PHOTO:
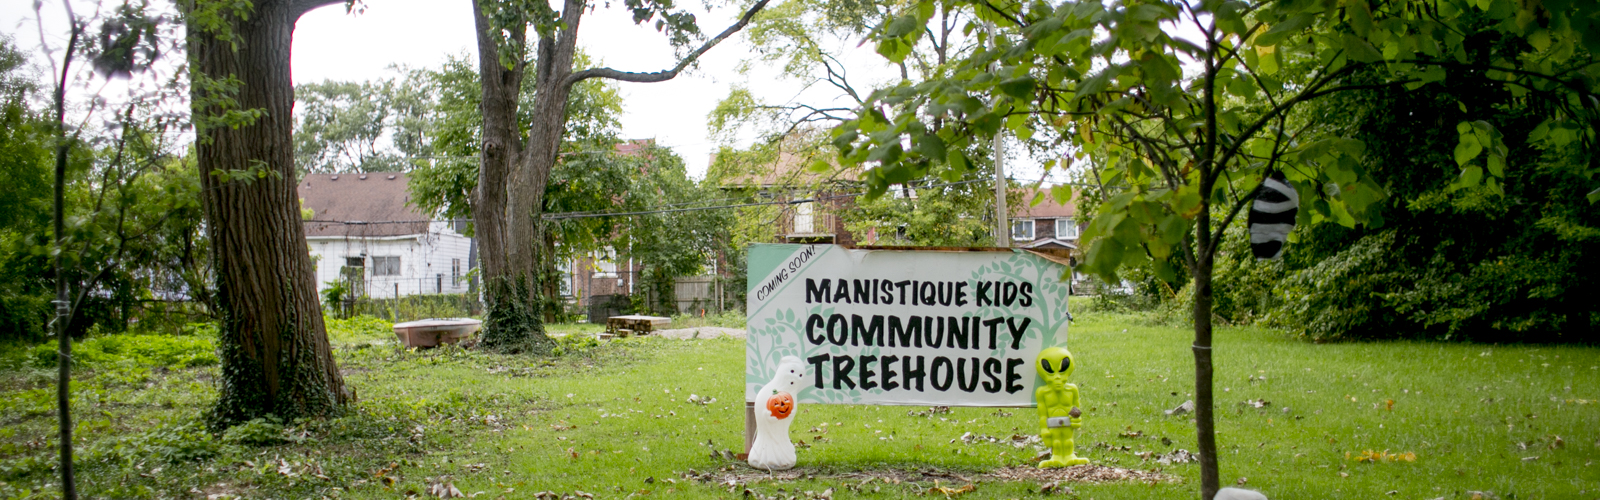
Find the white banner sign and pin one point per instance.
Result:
(904, 327)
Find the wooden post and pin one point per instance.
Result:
(749, 425)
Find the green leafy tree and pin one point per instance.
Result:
(1451, 262)
(118, 186)
(586, 178)
(669, 244)
(24, 201)
(451, 136)
(273, 344)
(801, 39)
(1179, 157)
(518, 157)
(339, 125)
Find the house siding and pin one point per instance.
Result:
(425, 261)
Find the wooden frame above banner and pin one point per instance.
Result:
(1061, 256)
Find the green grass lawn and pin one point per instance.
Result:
(616, 420)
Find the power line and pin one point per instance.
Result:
(569, 215)
(659, 210)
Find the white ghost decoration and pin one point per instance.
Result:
(1239, 494)
(775, 409)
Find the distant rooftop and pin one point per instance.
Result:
(1048, 208)
(359, 201)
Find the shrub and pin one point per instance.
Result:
(187, 442)
(145, 350)
(725, 319)
(416, 307)
(268, 431)
(359, 329)
(574, 344)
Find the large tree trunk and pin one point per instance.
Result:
(512, 177)
(274, 348)
(509, 200)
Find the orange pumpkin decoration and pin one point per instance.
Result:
(781, 405)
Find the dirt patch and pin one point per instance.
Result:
(741, 475)
(1088, 473)
(703, 332)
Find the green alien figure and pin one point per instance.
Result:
(1059, 415)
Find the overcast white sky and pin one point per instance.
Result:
(333, 45)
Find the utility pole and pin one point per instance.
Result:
(1002, 233)
(1002, 225)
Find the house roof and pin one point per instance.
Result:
(1049, 243)
(372, 204)
(792, 167)
(1047, 208)
(635, 147)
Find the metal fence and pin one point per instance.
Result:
(696, 295)
(412, 307)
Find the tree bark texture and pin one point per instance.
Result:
(514, 170)
(1205, 260)
(1205, 418)
(513, 174)
(273, 345)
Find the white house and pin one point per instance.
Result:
(365, 230)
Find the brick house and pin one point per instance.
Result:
(1046, 225)
(809, 203)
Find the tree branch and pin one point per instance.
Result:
(298, 8)
(661, 76)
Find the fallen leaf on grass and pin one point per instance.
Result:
(951, 492)
(1177, 457)
(1056, 487)
(696, 399)
(1370, 456)
(1186, 407)
(444, 489)
(1089, 473)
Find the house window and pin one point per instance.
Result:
(605, 263)
(386, 266)
(804, 221)
(1022, 230)
(354, 275)
(565, 269)
(455, 273)
(1067, 228)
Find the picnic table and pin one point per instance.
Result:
(624, 326)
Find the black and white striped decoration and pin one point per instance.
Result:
(1272, 216)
